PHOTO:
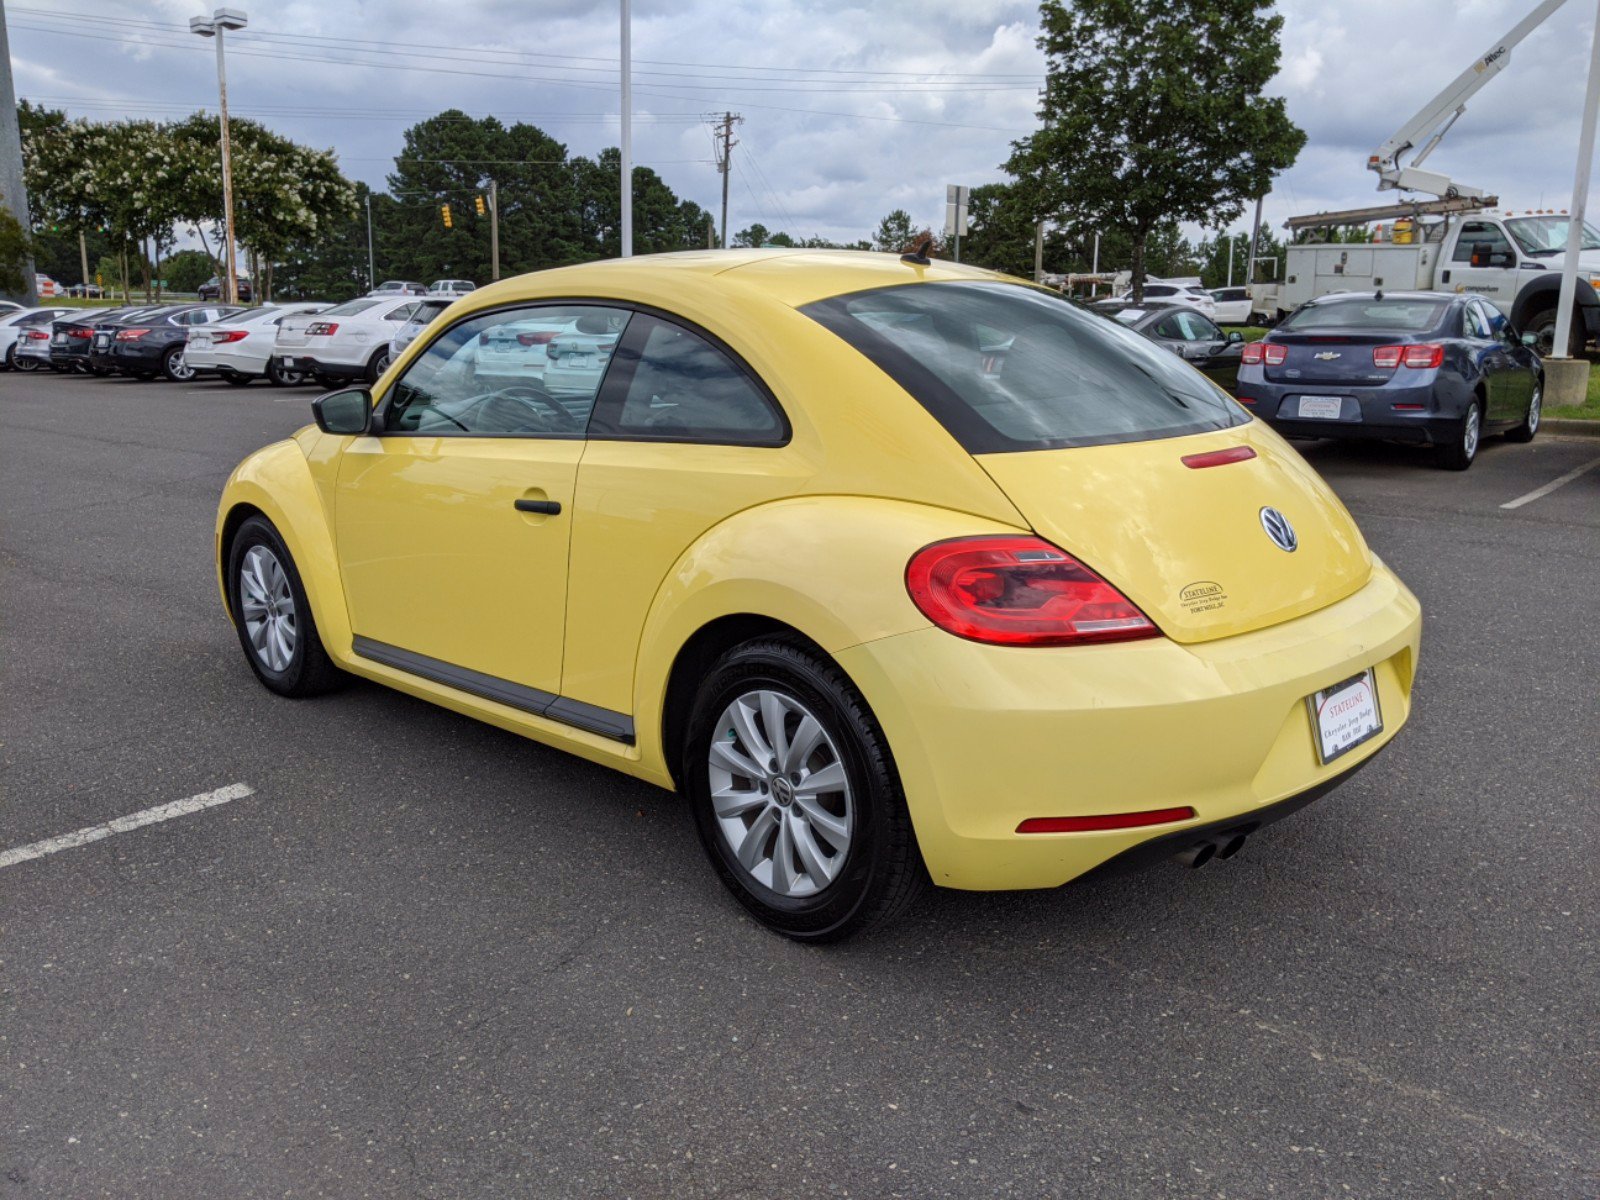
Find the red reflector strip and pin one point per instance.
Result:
(1219, 458)
(1409, 407)
(1157, 816)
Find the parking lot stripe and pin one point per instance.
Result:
(148, 816)
(1552, 485)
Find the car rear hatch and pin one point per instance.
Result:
(1186, 541)
(1330, 359)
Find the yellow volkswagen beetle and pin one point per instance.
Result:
(899, 570)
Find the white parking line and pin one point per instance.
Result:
(148, 816)
(1537, 493)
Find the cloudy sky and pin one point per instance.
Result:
(850, 109)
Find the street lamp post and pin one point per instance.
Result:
(213, 26)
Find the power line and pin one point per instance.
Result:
(479, 51)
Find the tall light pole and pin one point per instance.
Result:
(372, 270)
(213, 26)
(13, 195)
(627, 131)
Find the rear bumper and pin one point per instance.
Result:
(1433, 414)
(132, 356)
(215, 360)
(310, 364)
(986, 737)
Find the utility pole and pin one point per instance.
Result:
(627, 132)
(83, 260)
(711, 233)
(372, 270)
(13, 193)
(726, 143)
(1255, 240)
(494, 227)
(1038, 252)
(1230, 259)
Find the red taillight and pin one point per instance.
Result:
(37, 335)
(230, 335)
(1429, 354)
(1251, 354)
(322, 328)
(1273, 354)
(130, 335)
(79, 333)
(1019, 591)
(1387, 356)
(1219, 458)
(535, 339)
(1133, 820)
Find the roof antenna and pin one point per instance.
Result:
(1378, 295)
(919, 256)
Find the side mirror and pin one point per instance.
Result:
(1235, 337)
(348, 412)
(1530, 339)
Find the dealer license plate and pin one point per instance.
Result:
(1321, 408)
(1345, 715)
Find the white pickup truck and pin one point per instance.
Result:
(1510, 258)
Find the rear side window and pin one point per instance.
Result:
(1398, 316)
(682, 388)
(1006, 367)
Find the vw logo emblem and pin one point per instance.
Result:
(783, 791)
(1279, 530)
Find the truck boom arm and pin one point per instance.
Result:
(1436, 117)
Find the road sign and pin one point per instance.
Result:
(955, 210)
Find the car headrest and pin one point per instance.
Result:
(594, 323)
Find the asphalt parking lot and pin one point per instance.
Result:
(422, 957)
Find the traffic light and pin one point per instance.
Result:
(482, 207)
(444, 211)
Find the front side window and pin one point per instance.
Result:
(463, 385)
(1548, 235)
(683, 388)
(1066, 377)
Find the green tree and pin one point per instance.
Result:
(755, 235)
(894, 232)
(14, 250)
(186, 270)
(1153, 113)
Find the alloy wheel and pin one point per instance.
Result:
(1535, 409)
(1470, 431)
(179, 369)
(267, 603)
(780, 793)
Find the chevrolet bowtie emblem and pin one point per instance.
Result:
(1327, 355)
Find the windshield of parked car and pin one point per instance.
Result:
(1548, 235)
(1006, 367)
(349, 308)
(1397, 315)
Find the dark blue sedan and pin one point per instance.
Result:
(1432, 368)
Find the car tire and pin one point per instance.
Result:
(238, 380)
(141, 376)
(327, 381)
(22, 362)
(1543, 327)
(761, 830)
(100, 372)
(1530, 424)
(173, 366)
(1463, 452)
(381, 358)
(279, 377)
(270, 607)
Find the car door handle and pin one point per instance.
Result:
(548, 507)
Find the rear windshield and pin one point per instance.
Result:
(1006, 367)
(1399, 316)
(350, 308)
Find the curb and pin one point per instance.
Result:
(1571, 427)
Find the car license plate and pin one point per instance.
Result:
(1322, 408)
(58, 338)
(200, 339)
(102, 340)
(286, 362)
(1346, 714)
